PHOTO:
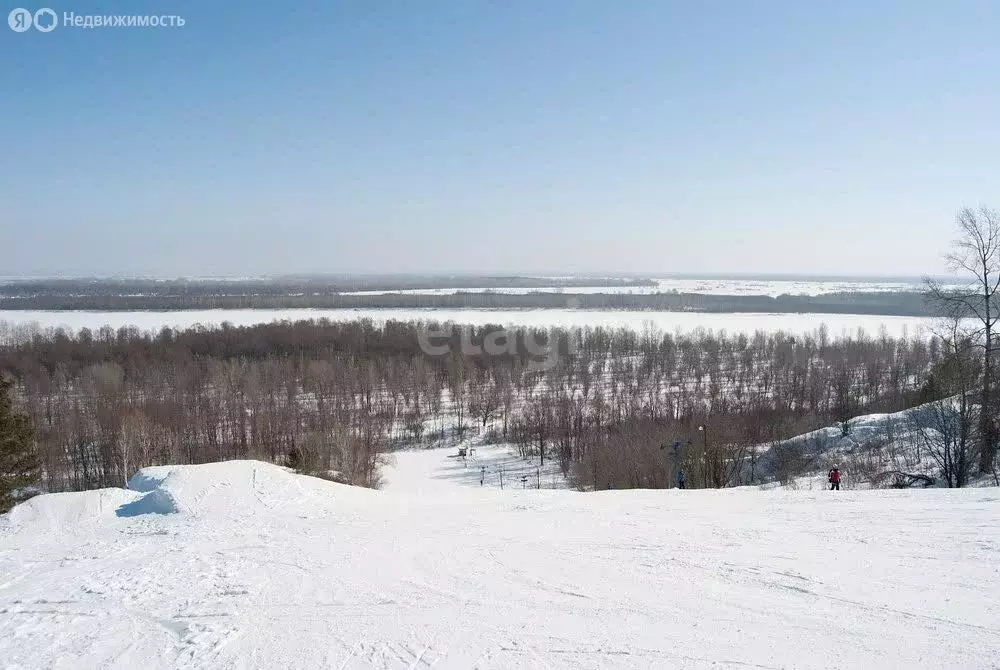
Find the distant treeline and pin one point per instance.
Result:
(880, 303)
(291, 285)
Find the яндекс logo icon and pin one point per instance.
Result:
(19, 20)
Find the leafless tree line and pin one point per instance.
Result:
(333, 397)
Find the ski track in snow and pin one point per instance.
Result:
(265, 569)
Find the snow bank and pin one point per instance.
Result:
(54, 511)
(230, 488)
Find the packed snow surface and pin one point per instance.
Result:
(245, 565)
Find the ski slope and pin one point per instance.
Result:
(442, 473)
(245, 565)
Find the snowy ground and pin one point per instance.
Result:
(440, 472)
(243, 565)
(743, 322)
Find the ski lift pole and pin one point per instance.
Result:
(676, 453)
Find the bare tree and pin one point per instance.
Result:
(976, 254)
(945, 427)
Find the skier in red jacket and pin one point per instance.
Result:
(835, 478)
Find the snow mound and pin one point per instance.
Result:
(232, 489)
(236, 487)
(53, 511)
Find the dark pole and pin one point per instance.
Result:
(704, 454)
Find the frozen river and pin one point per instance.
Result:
(731, 286)
(637, 320)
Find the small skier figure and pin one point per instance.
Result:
(835, 479)
(680, 479)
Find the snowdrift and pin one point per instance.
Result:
(54, 511)
(229, 489)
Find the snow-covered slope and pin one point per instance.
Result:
(442, 472)
(245, 565)
(872, 444)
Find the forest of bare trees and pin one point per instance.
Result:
(335, 397)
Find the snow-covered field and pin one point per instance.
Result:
(244, 565)
(545, 318)
(731, 286)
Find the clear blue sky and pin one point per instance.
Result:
(520, 136)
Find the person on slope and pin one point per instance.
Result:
(834, 479)
(680, 479)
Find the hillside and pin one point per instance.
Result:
(243, 564)
(873, 451)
